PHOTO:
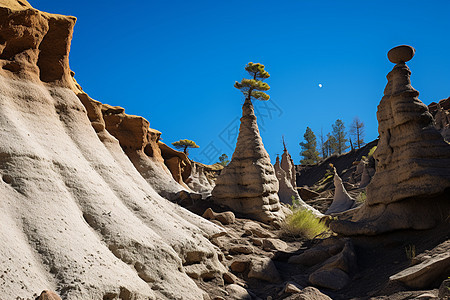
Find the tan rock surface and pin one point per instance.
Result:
(97, 228)
(342, 201)
(413, 165)
(248, 184)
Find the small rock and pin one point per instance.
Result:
(241, 249)
(274, 245)
(237, 292)
(291, 288)
(310, 257)
(426, 296)
(48, 295)
(334, 279)
(264, 269)
(257, 242)
(444, 289)
(309, 293)
(240, 266)
(226, 217)
(229, 278)
(252, 228)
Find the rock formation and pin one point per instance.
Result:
(287, 164)
(442, 122)
(202, 177)
(341, 199)
(77, 217)
(288, 194)
(410, 188)
(248, 184)
(143, 147)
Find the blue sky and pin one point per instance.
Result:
(175, 62)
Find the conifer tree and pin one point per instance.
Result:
(309, 148)
(340, 144)
(184, 145)
(253, 89)
(357, 131)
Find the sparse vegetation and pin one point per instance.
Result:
(361, 198)
(302, 223)
(357, 131)
(410, 251)
(184, 145)
(309, 148)
(223, 160)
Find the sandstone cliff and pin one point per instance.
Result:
(77, 216)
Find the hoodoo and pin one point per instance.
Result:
(410, 188)
(248, 184)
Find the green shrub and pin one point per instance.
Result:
(372, 151)
(361, 198)
(302, 223)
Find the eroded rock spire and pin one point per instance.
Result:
(413, 162)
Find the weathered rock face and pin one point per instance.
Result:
(441, 112)
(413, 164)
(341, 199)
(288, 194)
(141, 144)
(248, 184)
(287, 164)
(201, 179)
(97, 229)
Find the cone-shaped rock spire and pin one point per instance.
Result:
(413, 162)
(248, 184)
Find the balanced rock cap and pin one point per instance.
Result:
(401, 54)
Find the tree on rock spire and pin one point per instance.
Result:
(254, 88)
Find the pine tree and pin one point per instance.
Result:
(340, 144)
(223, 160)
(254, 88)
(357, 131)
(309, 151)
(184, 144)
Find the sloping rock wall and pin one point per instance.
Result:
(77, 217)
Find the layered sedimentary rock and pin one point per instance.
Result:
(141, 144)
(287, 164)
(202, 178)
(442, 120)
(410, 188)
(77, 217)
(248, 184)
(177, 162)
(342, 201)
(289, 194)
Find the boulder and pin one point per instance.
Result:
(225, 218)
(248, 185)
(237, 292)
(334, 279)
(274, 245)
(410, 189)
(423, 275)
(264, 269)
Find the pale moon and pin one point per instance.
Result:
(320, 85)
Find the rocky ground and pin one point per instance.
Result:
(265, 263)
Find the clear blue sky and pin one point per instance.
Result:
(175, 62)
